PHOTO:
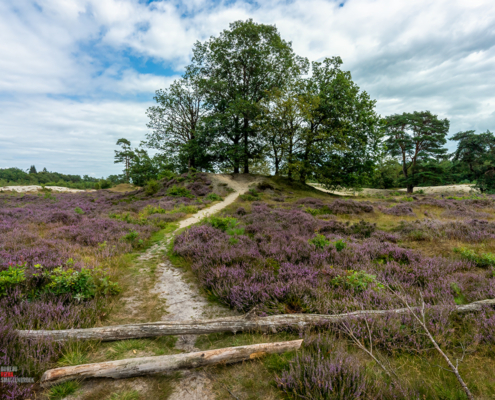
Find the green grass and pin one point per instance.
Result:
(63, 390)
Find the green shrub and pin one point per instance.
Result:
(319, 241)
(131, 236)
(78, 210)
(340, 245)
(151, 187)
(81, 285)
(357, 281)
(10, 278)
(179, 191)
(251, 195)
(222, 223)
(214, 197)
(104, 184)
(481, 260)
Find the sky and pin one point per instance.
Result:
(76, 75)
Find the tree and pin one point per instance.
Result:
(339, 143)
(234, 72)
(280, 122)
(175, 123)
(125, 156)
(477, 152)
(32, 170)
(413, 137)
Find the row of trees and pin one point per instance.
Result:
(17, 176)
(248, 100)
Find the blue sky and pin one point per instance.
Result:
(76, 75)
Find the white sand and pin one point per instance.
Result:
(466, 188)
(35, 188)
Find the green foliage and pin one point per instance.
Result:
(63, 390)
(213, 197)
(16, 176)
(481, 260)
(235, 71)
(104, 184)
(319, 241)
(179, 191)
(80, 284)
(340, 244)
(251, 195)
(126, 395)
(152, 187)
(131, 236)
(416, 138)
(222, 223)
(78, 210)
(10, 278)
(357, 281)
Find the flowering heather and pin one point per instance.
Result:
(400, 210)
(63, 237)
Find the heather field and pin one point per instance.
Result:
(60, 256)
(282, 249)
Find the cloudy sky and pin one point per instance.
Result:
(76, 75)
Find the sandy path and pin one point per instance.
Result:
(35, 188)
(184, 301)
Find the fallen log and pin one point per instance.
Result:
(161, 364)
(230, 324)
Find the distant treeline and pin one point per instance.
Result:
(16, 176)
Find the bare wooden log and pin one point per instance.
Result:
(162, 364)
(231, 324)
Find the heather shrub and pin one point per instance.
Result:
(350, 207)
(400, 210)
(320, 373)
(241, 211)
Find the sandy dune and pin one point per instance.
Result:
(450, 189)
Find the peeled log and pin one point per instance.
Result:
(231, 324)
(152, 365)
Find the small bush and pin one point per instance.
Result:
(481, 260)
(78, 210)
(131, 236)
(214, 197)
(340, 245)
(178, 191)
(222, 223)
(357, 281)
(319, 241)
(251, 195)
(151, 187)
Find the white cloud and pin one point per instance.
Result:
(408, 55)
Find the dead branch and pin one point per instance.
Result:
(162, 364)
(231, 324)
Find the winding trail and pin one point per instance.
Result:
(183, 299)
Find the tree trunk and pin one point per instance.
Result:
(246, 142)
(230, 324)
(152, 365)
(410, 189)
